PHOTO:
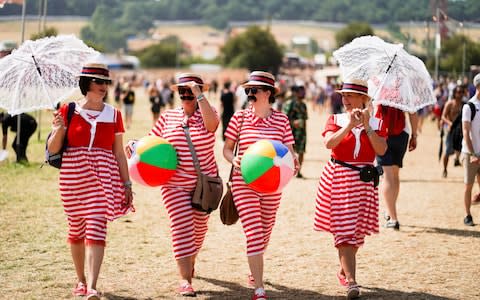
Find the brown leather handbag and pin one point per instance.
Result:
(228, 210)
(209, 190)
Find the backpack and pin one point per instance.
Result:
(456, 131)
(55, 160)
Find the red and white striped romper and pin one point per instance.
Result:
(90, 185)
(188, 226)
(257, 211)
(345, 205)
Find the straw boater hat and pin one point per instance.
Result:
(354, 86)
(257, 78)
(184, 78)
(95, 70)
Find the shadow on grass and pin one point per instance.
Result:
(379, 293)
(448, 231)
(274, 291)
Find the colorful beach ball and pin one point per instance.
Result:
(153, 161)
(267, 166)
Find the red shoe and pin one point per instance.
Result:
(93, 295)
(187, 290)
(342, 279)
(80, 289)
(259, 295)
(476, 199)
(251, 280)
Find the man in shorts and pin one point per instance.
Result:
(398, 140)
(471, 148)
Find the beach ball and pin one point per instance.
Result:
(153, 161)
(267, 166)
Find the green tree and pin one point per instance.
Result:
(49, 31)
(165, 54)
(351, 31)
(254, 49)
(451, 55)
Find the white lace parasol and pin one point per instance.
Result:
(41, 73)
(395, 78)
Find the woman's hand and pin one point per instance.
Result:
(195, 87)
(236, 161)
(355, 118)
(130, 148)
(366, 118)
(128, 196)
(58, 122)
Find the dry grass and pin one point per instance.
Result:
(434, 256)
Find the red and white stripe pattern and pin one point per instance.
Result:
(90, 185)
(346, 206)
(87, 231)
(257, 211)
(188, 226)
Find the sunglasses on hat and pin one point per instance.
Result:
(254, 90)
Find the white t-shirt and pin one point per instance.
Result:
(475, 131)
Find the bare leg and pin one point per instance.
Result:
(467, 198)
(347, 256)
(255, 263)
(78, 255)
(94, 262)
(390, 189)
(185, 266)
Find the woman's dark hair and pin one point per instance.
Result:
(84, 84)
(271, 99)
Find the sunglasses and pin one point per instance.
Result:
(184, 90)
(254, 90)
(101, 81)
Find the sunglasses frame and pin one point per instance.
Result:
(101, 81)
(254, 90)
(182, 90)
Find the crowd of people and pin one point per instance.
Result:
(365, 141)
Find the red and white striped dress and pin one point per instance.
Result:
(346, 206)
(257, 211)
(188, 226)
(90, 183)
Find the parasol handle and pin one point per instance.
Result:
(391, 63)
(36, 65)
(385, 78)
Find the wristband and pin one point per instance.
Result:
(200, 97)
(127, 184)
(369, 131)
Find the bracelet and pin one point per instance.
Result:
(369, 131)
(200, 97)
(127, 184)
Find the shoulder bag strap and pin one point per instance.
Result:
(192, 148)
(70, 111)
(235, 151)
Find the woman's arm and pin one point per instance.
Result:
(55, 142)
(378, 143)
(228, 148)
(210, 118)
(122, 165)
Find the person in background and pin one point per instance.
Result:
(94, 183)
(398, 140)
(257, 211)
(28, 125)
(128, 99)
(188, 226)
(346, 205)
(452, 110)
(471, 149)
(156, 102)
(227, 100)
(296, 110)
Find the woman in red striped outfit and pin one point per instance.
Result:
(188, 226)
(346, 205)
(257, 211)
(94, 182)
